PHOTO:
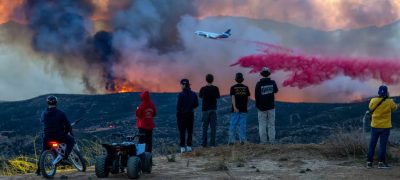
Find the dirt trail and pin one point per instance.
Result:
(252, 162)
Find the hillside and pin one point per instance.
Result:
(296, 122)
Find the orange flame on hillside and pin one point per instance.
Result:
(122, 86)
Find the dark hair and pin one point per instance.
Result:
(209, 78)
(239, 78)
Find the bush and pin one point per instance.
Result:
(347, 144)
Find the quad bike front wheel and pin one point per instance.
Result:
(101, 167)
(134, 167)
(47, 169)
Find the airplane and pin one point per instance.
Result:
(210, 35)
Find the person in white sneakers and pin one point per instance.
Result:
(187, 102)
(265, 104)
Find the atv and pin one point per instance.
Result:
(124, 155)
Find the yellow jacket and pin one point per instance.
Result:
(382, 116)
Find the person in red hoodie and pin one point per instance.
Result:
(145, 114)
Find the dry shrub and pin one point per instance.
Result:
(18, 165)
(347, 144)
(219, 165)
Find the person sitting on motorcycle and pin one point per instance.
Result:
(56, 127)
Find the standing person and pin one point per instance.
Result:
(382, 108)
(209, 94)
(187, 102)
(240, 95)
(265, 104)
(145, 114)
(56, 126)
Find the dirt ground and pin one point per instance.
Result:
(252, 162)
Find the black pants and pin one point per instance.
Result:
(185, 125)
(147, 138)
(209, 118)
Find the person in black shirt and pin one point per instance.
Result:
(209, 94)
(187, 102)
(265, 103)
(240, 95)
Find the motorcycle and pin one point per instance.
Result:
(50, 158)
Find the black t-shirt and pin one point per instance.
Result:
(241, 93)
(209, 94)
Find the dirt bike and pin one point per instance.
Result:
(124, 155)
(49, 159)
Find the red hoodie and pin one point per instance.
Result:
(145, 112)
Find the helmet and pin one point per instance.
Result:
(51, 100)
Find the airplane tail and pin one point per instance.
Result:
(228, 32)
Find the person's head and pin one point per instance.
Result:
(265, 72)
(145, 96)
(239, 77)
(185, 83)
(209, 78)
(51, 101)
(383, 91)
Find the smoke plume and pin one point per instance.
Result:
(306, 70)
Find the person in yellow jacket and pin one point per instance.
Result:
(382, 107)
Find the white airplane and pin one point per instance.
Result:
(210, 35)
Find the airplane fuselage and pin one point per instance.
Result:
(211, 35)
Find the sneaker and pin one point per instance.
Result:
(183, 149)
(369, 165)
(188, 149)
(231, 144)
(383, 165)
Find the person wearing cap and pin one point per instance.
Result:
(265, 103)
(382, 107)
(187, 102)
(56, 126)
(209, 94)
(240, 96)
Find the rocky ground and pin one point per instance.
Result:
(252, 161)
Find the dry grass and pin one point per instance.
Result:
(18, 165)
(347, 144)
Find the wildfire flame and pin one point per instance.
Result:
(122, 86)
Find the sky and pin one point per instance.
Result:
(103, 46)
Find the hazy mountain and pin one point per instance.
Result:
(296, 122)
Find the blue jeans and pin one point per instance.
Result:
(383, 135)
(236, 118)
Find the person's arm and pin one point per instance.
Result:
(67, 124)
(139, 112)
(275, 87)
(179, 103)
(257, 92)
(235, 109)
(201, 93)
(393, 105)
(196, 101)
(217, 95)
(371, 104)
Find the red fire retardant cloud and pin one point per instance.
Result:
(307, 70)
